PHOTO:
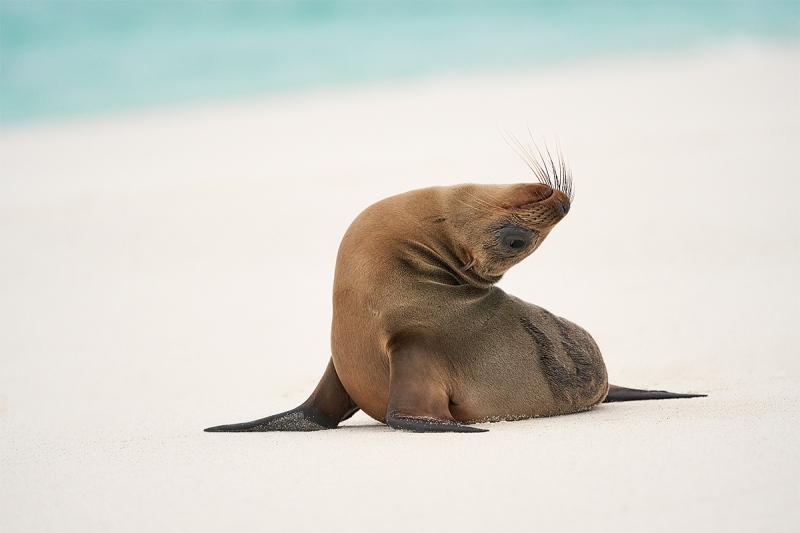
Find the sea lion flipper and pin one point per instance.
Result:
(418, 397)
(424, 425)
(328, 405)
(624, 394)
(298, 419)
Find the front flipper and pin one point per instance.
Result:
(428, 425)
(328, 405)
(418, 390)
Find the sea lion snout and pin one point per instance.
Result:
(557, 204)
(544, 207)
(539, 193)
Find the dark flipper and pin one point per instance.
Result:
(418, 397)
(328, 405)
(421, 425)
(623, 394)
(298, 419)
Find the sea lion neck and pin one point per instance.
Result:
(436, 249)
(437, 258)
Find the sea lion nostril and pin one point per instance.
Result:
(563, 206)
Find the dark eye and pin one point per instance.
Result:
(515, 239)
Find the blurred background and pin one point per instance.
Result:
(70, 58)
(175, 178)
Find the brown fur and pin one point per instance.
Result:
(414, 287)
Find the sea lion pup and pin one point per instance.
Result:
(423, 340)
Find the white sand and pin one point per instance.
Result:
(169, 271)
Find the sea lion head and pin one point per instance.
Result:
(497, 226)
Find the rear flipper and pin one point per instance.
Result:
(298, 419)
(328, 405)
(624, 394)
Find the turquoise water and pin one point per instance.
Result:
(71, 58)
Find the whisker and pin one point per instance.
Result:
(551, 171)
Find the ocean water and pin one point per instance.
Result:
(68, 58)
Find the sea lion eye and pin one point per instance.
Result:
(515, 239)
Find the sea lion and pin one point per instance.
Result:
(423, 340)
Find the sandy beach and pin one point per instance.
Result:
(167, 271)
